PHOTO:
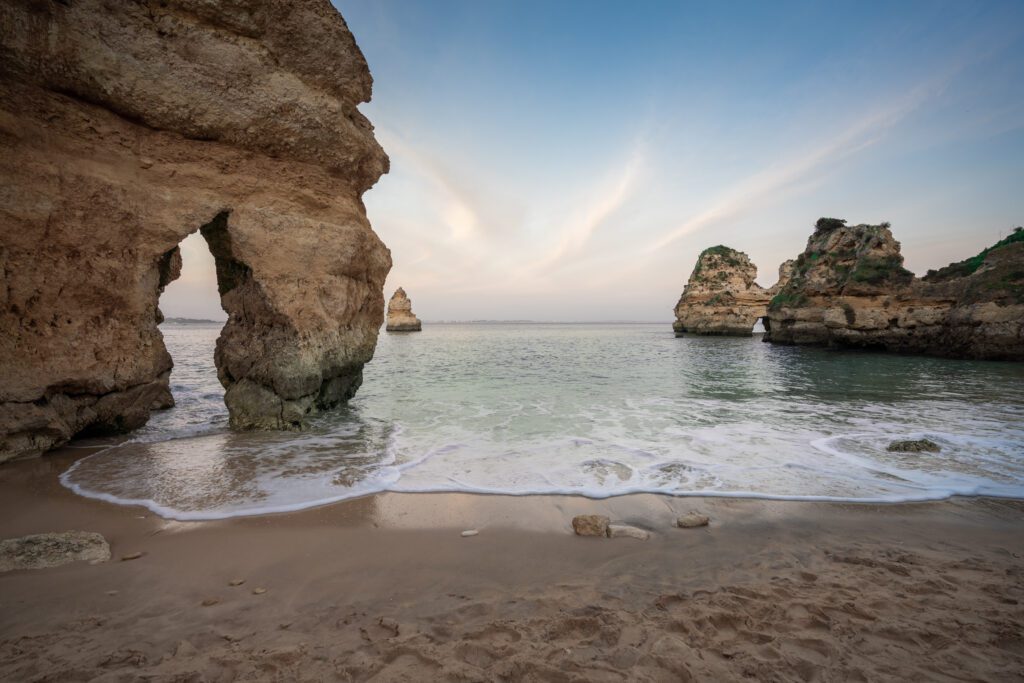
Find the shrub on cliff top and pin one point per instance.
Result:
(720, 250)
(829, 224)
(970, 265)
(727, 254)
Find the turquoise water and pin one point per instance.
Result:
(595, 410)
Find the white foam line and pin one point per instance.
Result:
(924, 492)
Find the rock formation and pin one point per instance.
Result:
(400, 317)
(849, 288)
(721, 296)
(126, 126)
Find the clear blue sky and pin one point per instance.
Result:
(569, 160)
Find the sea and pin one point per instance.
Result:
(593, 410)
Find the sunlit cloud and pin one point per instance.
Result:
(458, 212)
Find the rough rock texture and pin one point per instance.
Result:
(590, 525)
(914, 446)
(721, 296)
(126, 126)
(692, 520)
(40, 551)
(400, 316)
(849, 288)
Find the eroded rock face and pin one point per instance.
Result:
(849, 288)
(400, 316)
(721, 296)
(126, 126)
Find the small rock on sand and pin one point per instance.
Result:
(259, 591)
(626, 531)
(469, 532)
(210, 602)
(590, 525)
(236, 582)
(39, 551)
(131, 556)
(691, 520)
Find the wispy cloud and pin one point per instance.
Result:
(495, 247)
(803, 171)
(458, 211)
(601, 204)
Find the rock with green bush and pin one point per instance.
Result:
(849, 288)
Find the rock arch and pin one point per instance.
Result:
(106, 170)
(721, 297)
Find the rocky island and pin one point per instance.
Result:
(400, 315)
(849, 288)
(128, 126)
(721, 297)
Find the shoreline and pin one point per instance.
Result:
(384, 587)
(72, 455)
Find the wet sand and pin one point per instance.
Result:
(385, 588)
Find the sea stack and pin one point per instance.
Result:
(400, 316)
(128, 126)
(850, 289)
(721, 297)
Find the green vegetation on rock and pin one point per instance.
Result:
(786, 298)
(970, 265)
(876, 270)
(729, 255)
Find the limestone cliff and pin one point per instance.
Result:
(126, 126)
(400, 316)
(849, 288)
(721, 297)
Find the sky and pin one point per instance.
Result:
(568, 161)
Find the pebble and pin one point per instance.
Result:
(691, 520)
(111, 593)
(131, 556)
(469, 532)
(259, 591)
(626, 531)
(236, 582)
(210, 602)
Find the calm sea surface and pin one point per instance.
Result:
(596, 410)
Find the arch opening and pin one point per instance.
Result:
(191, 319)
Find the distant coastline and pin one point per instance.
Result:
(192, 321)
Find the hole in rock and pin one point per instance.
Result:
(193, 319)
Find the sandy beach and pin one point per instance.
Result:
(386, 588)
